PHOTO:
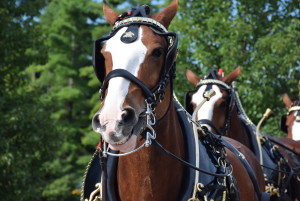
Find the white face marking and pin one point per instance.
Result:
(206, 111)
(124, 56)
(296, 129)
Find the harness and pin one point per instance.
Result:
(102, 168)
(277, 171)
(214, 180)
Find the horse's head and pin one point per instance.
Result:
(134, 63)
(217, 108)
(290, 123)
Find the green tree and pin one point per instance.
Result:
(260, 36)
(68, 80)
(64, 77)
(27, 132)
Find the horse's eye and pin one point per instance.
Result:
(157, 52)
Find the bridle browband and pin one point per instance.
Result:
(295, 107)
(139, 21)
(213, 81)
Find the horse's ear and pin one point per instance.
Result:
(228, 79)
(286, 100)
(192, 77)
(109, 13)
(166, 15)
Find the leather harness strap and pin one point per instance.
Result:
(249, 169)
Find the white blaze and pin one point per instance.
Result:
(296, 129)
(206, 111)
(128, 56)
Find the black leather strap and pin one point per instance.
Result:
(274, 140)
(211, 124)
(103, 160)
(163, 150)
(125, 74)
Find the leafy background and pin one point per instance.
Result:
(49, 93)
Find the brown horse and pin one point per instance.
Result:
(226, 113)
(290, 123)
(136, 64)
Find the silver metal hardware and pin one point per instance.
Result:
(212, 81)
(151, 121)
(131, 20)
(150, 134)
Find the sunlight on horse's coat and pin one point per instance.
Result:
(112, 111)
(206, 111)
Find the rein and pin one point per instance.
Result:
(234, 97)
(168, 153)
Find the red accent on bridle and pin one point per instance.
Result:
(220, 72)
(100, 144)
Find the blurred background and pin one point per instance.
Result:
(49, 93)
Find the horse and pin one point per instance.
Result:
(145, 151)
(225, 115)
(290, 123)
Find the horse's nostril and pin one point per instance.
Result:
(96, 123)
(128, 116)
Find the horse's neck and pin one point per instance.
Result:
(236, 129)
(290, 134)
(149, 174)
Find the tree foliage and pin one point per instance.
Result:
(27, 132)
(260, 36)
